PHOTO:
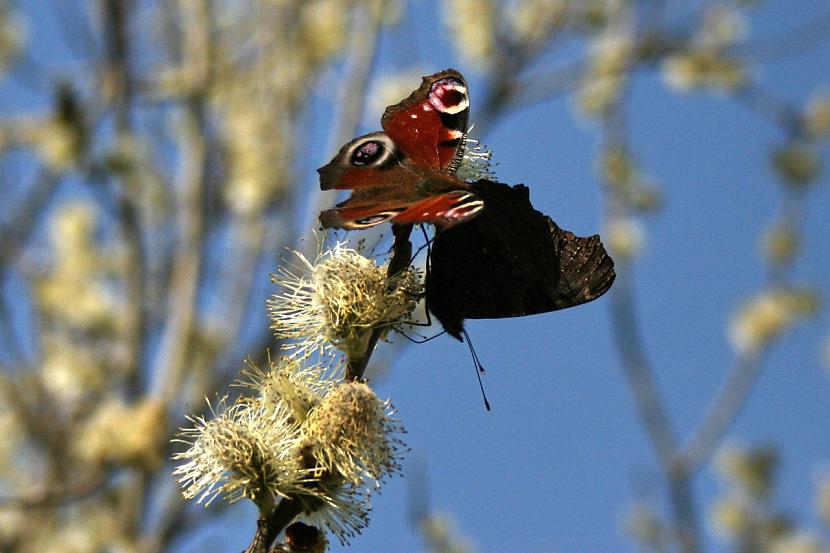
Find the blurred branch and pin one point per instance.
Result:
(363, 39)
(625, 327)
(764, 104)
(794, 42)
(57, 495)
(14, 235)
(638, 372)
(18, 402)
(721, 413)
(364, 35)
(187, 265)
(513, 57)
(117, 77)
(520, 92)
(653, 413)
(118, 81)
(16, 232)
(636, 367)
(351, 102)
(184, 280)
(509, 89)
(683, 508)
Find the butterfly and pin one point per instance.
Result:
(406, 173)
(506, 259)
(511, 261)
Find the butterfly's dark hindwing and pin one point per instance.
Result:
(511, 261)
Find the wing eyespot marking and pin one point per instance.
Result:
(374, 219)
(375, 151)
(449, 95)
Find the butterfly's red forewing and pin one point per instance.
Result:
(405, 173)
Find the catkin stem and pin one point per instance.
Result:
(401, 256)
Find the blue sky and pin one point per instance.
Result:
(556, 463)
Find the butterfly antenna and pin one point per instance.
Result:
(417, 253)
(479, 367)
(427, 243)
(429, 252)
(427, 239)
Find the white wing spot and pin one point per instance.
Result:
(452, 110)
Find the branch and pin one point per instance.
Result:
(641, 378)
(269, 528)
(13, 237)
(638, 372)
(187, 264)
(117, 79)
(809, 35)
(362, 50)
(15, 233)
(57, 495)
(401, 256)
(117, 68)
(764, 104)
(364, 37)
(720, 413)
(184, 281)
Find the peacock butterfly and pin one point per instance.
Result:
(507, 260)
